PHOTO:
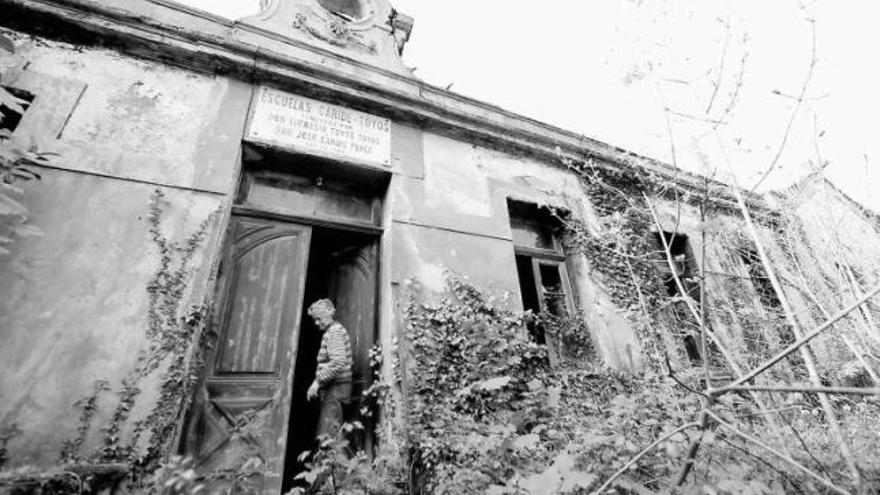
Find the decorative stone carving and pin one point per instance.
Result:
(401, 27)
(325, 26)
(368, 29)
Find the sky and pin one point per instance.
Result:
(713, 86)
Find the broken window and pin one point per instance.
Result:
(685, 266)
(13, 105)
(758, 275)
(540, 263)
(766, 293)
(683, 262)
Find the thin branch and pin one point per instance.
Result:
(717, 341)
(717, 83)
(849, 343)
(780, 455)
(703, 423)
(782, 473)
(641, 454)
(795, 325)
(795, 389)
(739, 83)
(802, 442)
(696, 118)
(794, 112)
(806, 338)
(677, 380)
(703, 294)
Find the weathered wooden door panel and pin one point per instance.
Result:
(237, 428)
(353, 290)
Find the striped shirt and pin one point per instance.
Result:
(334, 357)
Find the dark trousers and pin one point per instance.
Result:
(333, 397)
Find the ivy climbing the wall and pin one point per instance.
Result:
(172, 330)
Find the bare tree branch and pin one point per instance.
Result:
(638, 456)
(717, 83)
(780, 455)
(794, 112)
(795, 326)
(795, 389)
(806, 338)
(703, 423)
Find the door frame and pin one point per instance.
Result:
(221, 290)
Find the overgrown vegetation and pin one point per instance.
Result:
(488, 415)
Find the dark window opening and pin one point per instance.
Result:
(529, 294)
(692, 348)
(330, 257)
(685, 269)
(768, 297)
(540, 263)
(10, 117)
(554, 296)
(758, 275)
(684, 263)
(534, 227)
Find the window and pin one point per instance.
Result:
(767, 295)
(759, 278)
(540, 263)
(13, 104)
(686, 270)
(684, 263)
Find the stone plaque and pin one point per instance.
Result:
(315, 127)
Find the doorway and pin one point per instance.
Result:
(342, 267)
(301, 229)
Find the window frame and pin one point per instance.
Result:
(539, 256)
(684, 269)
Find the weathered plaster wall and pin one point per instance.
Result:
(73, 303)
(451, 214)
(836, 230)
(108, 114)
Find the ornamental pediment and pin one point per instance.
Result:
(368, 30)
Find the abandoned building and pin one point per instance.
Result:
(216, 177)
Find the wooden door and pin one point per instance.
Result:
(353, 290)
(237, 426)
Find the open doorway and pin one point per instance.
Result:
(301, 229)
(342, 267)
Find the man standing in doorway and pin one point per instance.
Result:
(333, 374)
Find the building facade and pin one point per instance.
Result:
(215, 177)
